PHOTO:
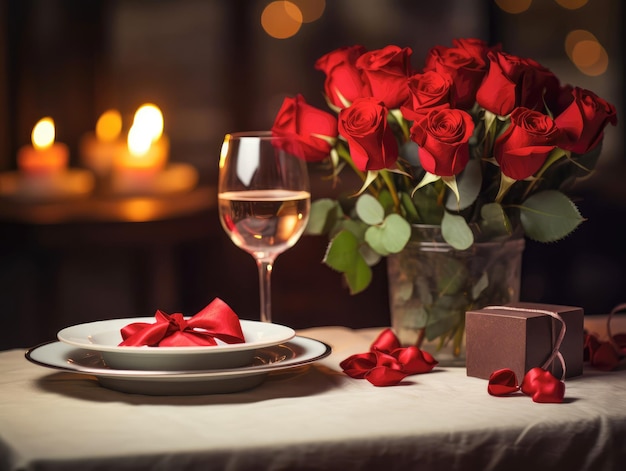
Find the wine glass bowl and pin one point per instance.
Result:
(263, 200)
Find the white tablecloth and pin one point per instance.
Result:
(312, 418)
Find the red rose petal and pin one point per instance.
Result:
(542, 386)
(502, 382)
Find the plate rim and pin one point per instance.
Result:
(325, 351)
(288, 334)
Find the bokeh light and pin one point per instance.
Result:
(311, 9)
(572, 4)
(281, 19)
(586, 52)
(513, 6)
(43, 133)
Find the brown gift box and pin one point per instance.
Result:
(521, 340)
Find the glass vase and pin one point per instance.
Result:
(432, 285)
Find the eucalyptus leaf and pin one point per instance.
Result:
(456, 231)
(548, 216)
(357, 228)
(370, 256)
(389, 237)
(468, 182)
(369, 209)
(359, 276)
(386, 200)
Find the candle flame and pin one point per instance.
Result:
(150, 119)
(139, 140)
(43, 133)
(109, 126)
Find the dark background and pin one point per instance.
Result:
(212, 70)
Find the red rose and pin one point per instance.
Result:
(427, 91)
(513, 82)
(478, 48)
(527, 142)
(467, 67)
(298, 120)
(342, 75)
(443, 140)
(583, 121)
(373, 145)
(387, 71)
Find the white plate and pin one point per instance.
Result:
(299, 351)
(105, 336)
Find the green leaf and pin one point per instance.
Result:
(343, 256)
(385, 199)
(323, 214)
(342, 252)
(369, 210)
(468, 184)
(408, 207)
(549, 215)
(370, 256)
(391, 236)
(494, 221)
(480, 286)
(357, 228)
(456, 231)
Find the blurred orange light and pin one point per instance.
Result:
(572, 4)
(586, 52)
(513, 6)
(311, 9)
(281, 19)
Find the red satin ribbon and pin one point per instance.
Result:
(606, 355)
(539, 384)
(216, 321)
(387, 363)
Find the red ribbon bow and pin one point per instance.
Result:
(216, 321)
(387, 363)
(539, 384)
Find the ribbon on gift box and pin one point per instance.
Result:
(538, 382)
(216, 321)
(606, 355)
(388, 363)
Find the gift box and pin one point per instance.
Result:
(518, 337)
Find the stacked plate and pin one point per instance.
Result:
(92, 348)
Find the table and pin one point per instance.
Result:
(311, 418)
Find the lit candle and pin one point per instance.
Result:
(98, 150)
(147, 153)
(44, 157)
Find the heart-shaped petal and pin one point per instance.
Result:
(384, 376)
(542, 386)
(386, 341)
(357, 366)
(502, 382)
(605, 357)
(414, 360)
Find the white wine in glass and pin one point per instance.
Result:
(264, 200)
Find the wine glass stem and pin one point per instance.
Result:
(265, 288)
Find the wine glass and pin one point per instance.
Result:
(263, 199)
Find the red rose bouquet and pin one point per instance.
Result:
(479, 142)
